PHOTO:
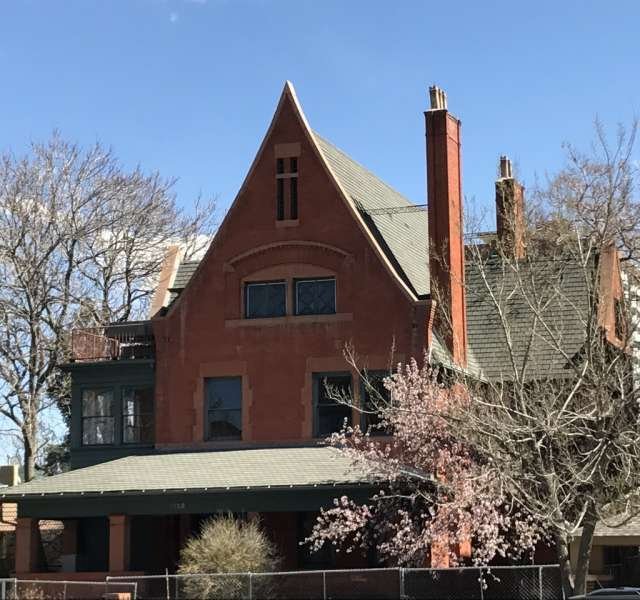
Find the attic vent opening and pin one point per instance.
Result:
(287, 182)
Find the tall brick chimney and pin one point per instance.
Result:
(510, 211)
(446, 244)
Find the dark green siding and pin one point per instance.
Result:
(115, 374)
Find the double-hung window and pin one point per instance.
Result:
(265, 299)
(223, 408)
(330, 412)
(315, 296)
(137, 415)
(98, 417)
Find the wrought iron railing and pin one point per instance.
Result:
(126, 341)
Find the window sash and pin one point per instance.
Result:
(137, 415)
(330, 415)
(223, 408)
(97, 431)
(310, 302)
(274, 296)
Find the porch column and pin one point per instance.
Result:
(27, 537)
(119, 538)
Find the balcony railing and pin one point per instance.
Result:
(126, 341)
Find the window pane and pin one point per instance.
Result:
(97, 403)
(333, 385)
(330, 414)
(331, 417)
(98, 430)
(294, 165)
(223, 406)
(137, 415)
(280, 165)
(315, 296)
(137, 429)
(265, 300)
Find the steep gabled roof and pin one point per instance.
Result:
(398, 225)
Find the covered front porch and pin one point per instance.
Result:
(133, 515)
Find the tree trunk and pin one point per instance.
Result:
(584, 552)
(29, 462)
(566, 575)
(29, 443)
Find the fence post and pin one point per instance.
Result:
(64, 591)
(540, 581)
(481, 582)
(324, 585)
(3, 589)
(166, 576)
(250, 586)
(402, 582)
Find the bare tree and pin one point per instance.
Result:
(549, 395)
(555, 409)
(80, 240)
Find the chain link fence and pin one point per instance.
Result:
(40, 589)
(467, 583)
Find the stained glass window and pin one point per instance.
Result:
(264, 300)
(315, 296)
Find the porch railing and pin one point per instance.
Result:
(127, 341)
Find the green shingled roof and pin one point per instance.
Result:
(213, 470)
(399, 225)
(565, 308)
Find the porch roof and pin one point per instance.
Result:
(208, 471)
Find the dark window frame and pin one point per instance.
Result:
(208, 410)
(124, 414)
(113, 417)
(299, 280)
(247, 287)
(319, 383)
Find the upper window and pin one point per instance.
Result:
(223, 407)
(137, 415)
(315, 296)
(374, 397)
(98, 417)
(286, 169)
(330, 413)
(268, 299)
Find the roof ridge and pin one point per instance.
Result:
(361, 166)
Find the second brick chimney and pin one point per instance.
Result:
(510, 211)
(446, 244)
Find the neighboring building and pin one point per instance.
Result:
(218, 403)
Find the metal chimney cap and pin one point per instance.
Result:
(438, 98)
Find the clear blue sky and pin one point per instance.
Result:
(188, 86)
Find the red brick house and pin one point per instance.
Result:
(217, 403)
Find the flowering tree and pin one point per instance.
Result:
(435, 494)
